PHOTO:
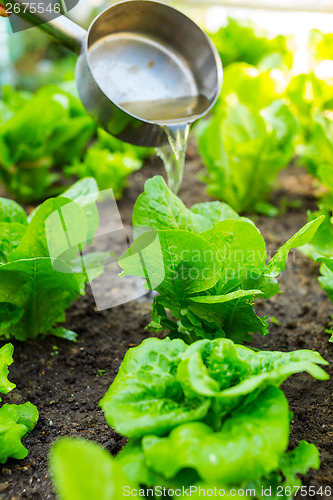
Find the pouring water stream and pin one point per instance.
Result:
(154, 83)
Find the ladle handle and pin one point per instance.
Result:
(65, 31)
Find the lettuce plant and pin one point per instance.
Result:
(110, 162)
(254, 87)
(36, 286)
(164, 383)
(317, 152)
(244, 150)
(309, 96)
(209, 415)
(15, 420)
(239, 41)
(48, 130)
(321, 45)
(207, 268)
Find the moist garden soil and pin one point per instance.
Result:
(66, 380)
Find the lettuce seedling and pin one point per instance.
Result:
(48, 130)
(244, 150)
(207, 273)
(15, 420)
(36, 286)
(164, 383)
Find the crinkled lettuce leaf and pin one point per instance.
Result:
(146, 396)
(248, 445)
(229, 373)
(6, 359)
(15, 422)
(164, 383)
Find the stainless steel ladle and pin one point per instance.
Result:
(142, 64)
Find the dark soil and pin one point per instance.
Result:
(65, 382)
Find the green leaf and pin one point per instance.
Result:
(83, 192)
(49, 129)
(11, 236)
(10, 211)
(34, 284)
(298, 461)
(163, 383)
(15, 422)
(241, 41)
(228, 372)
(159, 208)
(241, 251)
(132, 462)
(209, 281)
(326, 278)
(322, 242)
(6, 359)
(39, 263)
(10, 314)
(63, 333)
(221, 299)
(249, 444)
(37, 243)
(82, 470)
(110, 170)
(175, 263)
(145, 396)
(278, 263)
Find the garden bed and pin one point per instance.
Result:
(66, 380)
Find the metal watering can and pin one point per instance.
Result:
(142, 65)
